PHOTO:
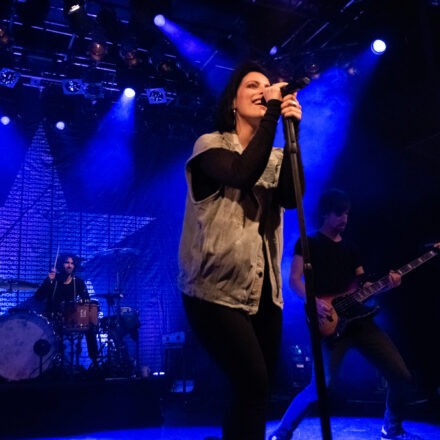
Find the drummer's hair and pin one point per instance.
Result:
(62, 259)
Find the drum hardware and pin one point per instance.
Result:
(114, 356)
(80, 315)
(41, 349)
(11, 285)
(28, 345)
(120, 321)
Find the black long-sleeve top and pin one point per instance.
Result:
(218, 166)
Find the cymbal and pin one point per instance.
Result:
(109, 295)
(117, 251)
(15, 284)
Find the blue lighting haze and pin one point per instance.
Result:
(197, 53)
(273, 51)
(108, 160)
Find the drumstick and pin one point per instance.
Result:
(56, 258)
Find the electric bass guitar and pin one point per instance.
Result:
(349, 306)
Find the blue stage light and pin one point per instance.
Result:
(159, 20)
(72, 86)
(5, 120)
(8, 77)
(129, 92)
(274, 50)
(378, 47)
(60, 125)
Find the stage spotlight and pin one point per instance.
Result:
(97, 50)
(312, 68)
(5, 120)
(159, 20)
(273, 51)
(9, 78)
(378, 47)
(60, 125)
(77, 17)
(156, 96)
(4, 36)
(128, 52)
(129, 92)
(73, 6)
(72, 86)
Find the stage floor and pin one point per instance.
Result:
(343, 428)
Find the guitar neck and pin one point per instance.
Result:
(367, 292)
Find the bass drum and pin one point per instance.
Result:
(27, 345)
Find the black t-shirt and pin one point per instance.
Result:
(334, 263)
(57, 292)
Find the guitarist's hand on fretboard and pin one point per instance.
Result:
(323, 308)
(394, 279)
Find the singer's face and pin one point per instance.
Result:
(247, 101)
(69, 266)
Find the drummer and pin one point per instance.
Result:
(61, 286)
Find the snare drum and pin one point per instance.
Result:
(27, 345)
(80, 315)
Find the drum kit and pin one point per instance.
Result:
(32, 343)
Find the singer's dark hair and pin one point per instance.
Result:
(225, 120)
(63, 258)
(333, 200)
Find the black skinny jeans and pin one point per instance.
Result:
(365, 336)
(246, 348)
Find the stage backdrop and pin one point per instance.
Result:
(131, 254)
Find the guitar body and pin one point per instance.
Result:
(343, 312)
(350, 305)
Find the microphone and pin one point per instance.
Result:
(292, 87)
(295, 85)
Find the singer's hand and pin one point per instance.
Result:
(290, 107)
(274, 91)
(52, 274)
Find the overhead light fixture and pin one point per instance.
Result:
(129, 92)
(5, 120)
(9, 78)
(378, 47)
(77, 17)
(60, 125)
(156, 96)
(4, 35)
(73, 6)
(93, 90)
(128, 53)
(159, 20)
(273, 51)
(312, 68)
(72, 86)
(97, 47)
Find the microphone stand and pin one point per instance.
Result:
(310, 304)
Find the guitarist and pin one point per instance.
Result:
(336, 267)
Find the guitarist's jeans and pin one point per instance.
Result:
(377, 347)
(246, 348)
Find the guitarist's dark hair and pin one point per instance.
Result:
(333, 200)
